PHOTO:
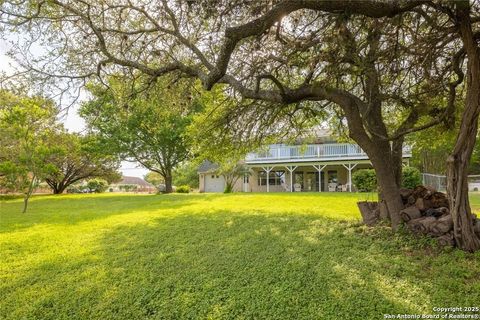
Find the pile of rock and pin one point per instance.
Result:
(426, 213)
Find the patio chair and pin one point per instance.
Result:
(332, 187)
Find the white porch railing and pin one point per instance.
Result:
(311, 152)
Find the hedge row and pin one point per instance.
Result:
(365, 180)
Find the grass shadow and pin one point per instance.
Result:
(233, 265)
(45, 210)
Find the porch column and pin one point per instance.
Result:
(267, 169)
(291, 169)
(319, 168)
(350, 167)
(245, 175)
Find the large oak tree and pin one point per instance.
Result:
(365, 57)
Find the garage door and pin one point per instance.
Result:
(214, 183)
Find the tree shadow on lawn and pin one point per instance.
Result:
(78, 209)
(245, 266)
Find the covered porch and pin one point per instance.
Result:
(303, 177)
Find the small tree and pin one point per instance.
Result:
(26, 124)
(231, 171)
(79, 158)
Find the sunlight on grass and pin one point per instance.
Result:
(218, 256)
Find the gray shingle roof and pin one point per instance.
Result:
(134, 180)
(207, 166)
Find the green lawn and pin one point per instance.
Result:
(241, 256)
(475, 202)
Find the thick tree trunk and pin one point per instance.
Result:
(168, 183)
(389, 190)
(387, 167)
(59, 189)
(458, 161)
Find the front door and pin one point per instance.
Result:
(246, 185)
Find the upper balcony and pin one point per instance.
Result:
(312, 153)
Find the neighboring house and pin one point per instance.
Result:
(474, 185)
(322, 166)
(132, 184)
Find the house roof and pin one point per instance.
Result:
(207, 166)
(135, 180)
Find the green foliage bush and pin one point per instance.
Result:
(128, 187)
(183, 189)
(365, 180)
(186, 174)
(228, 188)
(75, 189)
(4, 197)
(411, 177)
(97, 185)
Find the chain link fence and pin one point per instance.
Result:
(439, 182)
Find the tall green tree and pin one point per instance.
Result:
(26, 124)
(186, 174)
(147, 127)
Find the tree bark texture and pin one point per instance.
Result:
(458, 161)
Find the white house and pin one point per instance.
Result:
(325, 165)
(134, 184)
(474, 185)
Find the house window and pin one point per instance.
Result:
(332, 177)
(213, 176)
(298, 178)
(275, 178)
